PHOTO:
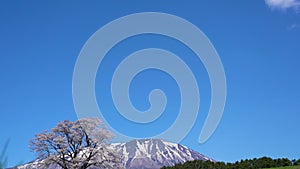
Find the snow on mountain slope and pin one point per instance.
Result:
(146, 154)
(154, 153)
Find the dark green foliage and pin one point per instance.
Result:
(256, 163)
(296, 162)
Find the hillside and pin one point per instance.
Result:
(255, 163)
(147, 154)
(155, 153)
(287, 167)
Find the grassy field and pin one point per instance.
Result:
(289, 167)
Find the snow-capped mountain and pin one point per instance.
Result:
(145, 154)
(154, 153)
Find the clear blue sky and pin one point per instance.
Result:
(259, 46)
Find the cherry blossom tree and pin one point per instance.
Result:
(76, 145)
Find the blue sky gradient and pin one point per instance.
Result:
(258, 45)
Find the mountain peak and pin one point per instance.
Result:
(155, 153)
(146, 154)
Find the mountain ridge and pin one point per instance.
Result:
(155, 153)
(148, 154)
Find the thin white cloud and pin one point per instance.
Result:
(284, 4)
(294, 26)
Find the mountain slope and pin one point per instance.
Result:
(154, 153)
(147, 154)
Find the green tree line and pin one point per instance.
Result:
(255, 163)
